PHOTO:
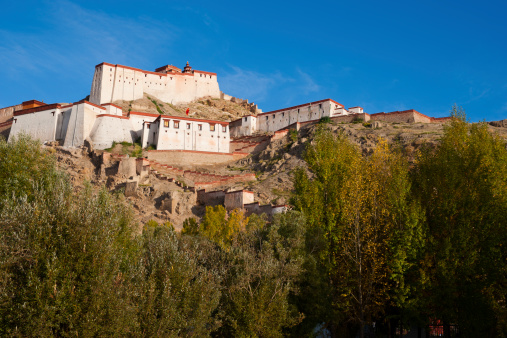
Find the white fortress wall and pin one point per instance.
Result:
(282, 118)
(40, 123)
(113, 109)
(178, 133)
(63, 122)
(110, 128)
(116, 82)
(81, 122)
(137, 119)
(145, 136)
(149, 136)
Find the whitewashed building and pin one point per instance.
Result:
(168, 83)
(72, 124)
(183, 133)
(282, 118)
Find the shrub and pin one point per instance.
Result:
(325, 119)
(293, 135)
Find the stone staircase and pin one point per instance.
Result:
(195, 180)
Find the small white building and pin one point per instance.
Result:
(183, 133)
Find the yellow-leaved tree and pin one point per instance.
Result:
(372, 229)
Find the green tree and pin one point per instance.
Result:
(221, 228)
(264, 266)
(462, 185)
(371, 228)
(180, 295)
(23, 165)
(67, 262)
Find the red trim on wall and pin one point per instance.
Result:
(144, 71)
(203, 72)
(5, 124)
(143, 114)
(115, 116)
(248, 191)
(111, 104)
(299, 106)
(37, 109)
(167, 67)
(92, 104)
(168, 117)
(33, 102)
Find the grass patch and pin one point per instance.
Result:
(293, 135)
(279, 192)
(160, 111)
(238, 168)
(174, 107)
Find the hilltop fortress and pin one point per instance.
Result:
(173, 143)
(168, 83)
(102, 122)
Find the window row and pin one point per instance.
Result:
(176, 125)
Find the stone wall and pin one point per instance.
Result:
(5, 129)
(269, 210)
(406, 116)
(211, 198)
(244, 102)
(236, 199)
(351, 118)
(193, 158)
(7, 112)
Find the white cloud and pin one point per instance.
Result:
(73, 38)
(306, 84)
(249, 84)
(258, 87)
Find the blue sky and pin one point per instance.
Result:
(380, 55)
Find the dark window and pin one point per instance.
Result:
(245, 119)
(199, 127)
(224, 129)
(212, 127)
(188, 125)
(176, 124)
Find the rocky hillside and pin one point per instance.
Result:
(273, 166)
(205, 108)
